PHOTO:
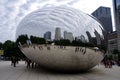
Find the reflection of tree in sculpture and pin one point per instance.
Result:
(22, 39)
(35, 40)
(62, 52)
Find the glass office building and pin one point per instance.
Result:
(116, 5)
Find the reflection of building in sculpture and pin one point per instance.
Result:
(97, 38)
(103, 14)
(68, 35)
(61, 54)
(47, 35)
(57, 33)
(28, 42)
(82, 37)
(89, 36)
(116, 5)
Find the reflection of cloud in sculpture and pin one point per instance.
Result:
(66, 18)
(52, 22)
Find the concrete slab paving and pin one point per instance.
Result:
(20, 72)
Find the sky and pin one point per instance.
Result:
(13, 11)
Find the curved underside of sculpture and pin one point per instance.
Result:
(61, 38)
(66, 58)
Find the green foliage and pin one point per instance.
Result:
(102, 48)
(77, 43)
(89, 44)
(80, 43)
(22, 39)
(11, 49)
(37, 40)
(15, 51)
(64, 42)
(9, 45)
(119, 56)
(115, 51)
(110, 57)
(1, 45)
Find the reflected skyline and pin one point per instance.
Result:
(46, 23)
(70, 32)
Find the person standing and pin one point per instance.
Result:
(28, 63)
(13, 61)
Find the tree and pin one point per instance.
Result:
(7, 47)
(22, 39)
(78, 43)
(1, 45)
(37, 40)
(115, 51)
(63, 42)
(11, 49)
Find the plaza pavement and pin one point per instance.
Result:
(20, 72)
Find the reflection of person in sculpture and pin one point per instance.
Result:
(48, 47)
(76, 49)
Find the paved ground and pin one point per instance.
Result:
(7, 72)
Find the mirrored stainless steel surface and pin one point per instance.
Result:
(61, 38)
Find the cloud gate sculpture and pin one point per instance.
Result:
(61, 38)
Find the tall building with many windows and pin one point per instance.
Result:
(47, 35)
(57, 33)
(68, 35)
(98, 39)
(116, 5)
(103, 14)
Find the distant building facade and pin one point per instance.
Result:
(116, 5)
(103, 14)
(112, 42)
(68, 35)
(98, 39)
(47, 36)
(57, 33)
(89, 37)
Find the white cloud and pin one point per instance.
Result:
(89, 6)
(12, 11)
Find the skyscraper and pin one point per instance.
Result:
(103, 14)
(57, 33)
(116, 5)
(65, 34)
(98, 39)
(68, 35)
(47, 35)
(89, 36)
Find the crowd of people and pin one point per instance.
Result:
(48, 47)
(28, 62)
(108, 63)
